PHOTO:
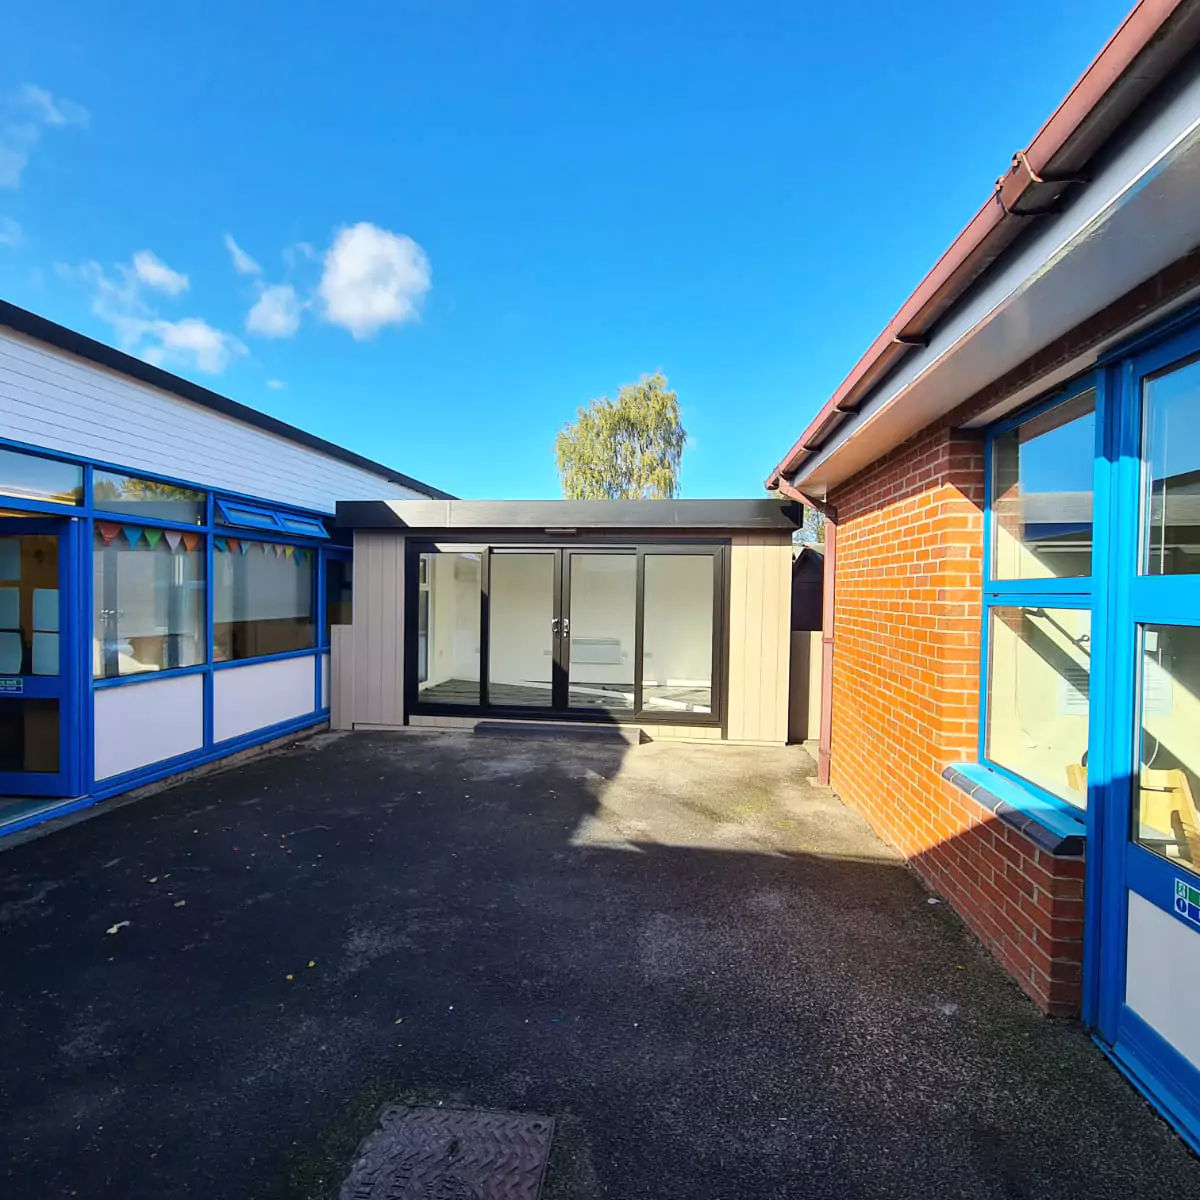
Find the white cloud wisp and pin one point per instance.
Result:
(372, 278)
(24, 116)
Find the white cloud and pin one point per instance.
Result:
(372, 278)
(297, 253)
(50, 111)
(155, 273)
(10, 232)
(24, 116)
(243, 264)
(190, 343)
(119, 299)
(276, 385)
(276, 313)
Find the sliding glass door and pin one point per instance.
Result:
(600, 633)
(523, 592)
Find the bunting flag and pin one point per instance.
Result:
(245, 546)
(174, 537)
(107, 531)
(220, 544)
(192, 540)
(153, 537)
(233, 544)
(288, 551)
(133, 533)
(301, 555)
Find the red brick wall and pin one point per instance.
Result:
(905, 705)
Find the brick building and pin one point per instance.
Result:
(1011, 477)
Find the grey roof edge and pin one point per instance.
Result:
(413, 516)
(22, 321)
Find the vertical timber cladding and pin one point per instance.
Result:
(759, 635)
(378, 628)
(760, 588)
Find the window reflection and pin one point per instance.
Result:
(1171, 453)
(450, 649)
(1039, 668)
(1169, 708)
(677, 641)
(1042, 494)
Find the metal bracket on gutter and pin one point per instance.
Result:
(1021, 164)
(919, 340)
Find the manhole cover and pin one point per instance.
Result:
(451, 1154)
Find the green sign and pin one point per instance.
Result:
(1187, 901)
(12, 687)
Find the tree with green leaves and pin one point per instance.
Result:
(624, 449)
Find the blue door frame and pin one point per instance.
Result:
(1118, 866)
(67, 686)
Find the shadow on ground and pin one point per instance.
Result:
(707, 970)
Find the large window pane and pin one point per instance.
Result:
(450, 632)
(28, 736)
(1042, 494)
(27, 477)
(262, 599)
(603, 617)
(147, 598)
(339, 594)
(147, 498)
(1039, 667)
(1169, 710)
(521, 646)
(677, 637)
(29, 604)
(1171, 471)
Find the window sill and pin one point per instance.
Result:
(1056, 829)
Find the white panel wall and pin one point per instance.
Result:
(142, 723)
(1162, 975)
(52, 399)
(325, 669)
(261, 694)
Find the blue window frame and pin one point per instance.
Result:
(254, 516)
(1039, 565)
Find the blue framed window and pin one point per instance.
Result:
(253, 516)
(1038, 599)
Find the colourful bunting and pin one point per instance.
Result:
(288, 551)
(174, 537)
(107, 531)
(192, 540)
(245, 545)
(220, 544)
(232, 543)
(133, 533)
(153, 537)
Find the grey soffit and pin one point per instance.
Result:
(567, 516)
(419, 1153)
(42, 330)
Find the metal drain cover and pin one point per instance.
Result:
(451, 1154)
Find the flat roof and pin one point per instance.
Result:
(31, 325)
(548, 516)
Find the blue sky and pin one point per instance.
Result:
(460, 219)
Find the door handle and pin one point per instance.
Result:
(566, 626)
(554, 626)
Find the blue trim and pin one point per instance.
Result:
(262, 519)
(1181, 321)
(1160, 1073)
(233, 663)
(1051, 824)
(99, 685)
(51, 809)
(64, 510)
(154, 772)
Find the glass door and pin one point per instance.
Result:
(600, 631)
(1150, 946)
(37, 669)
(524, 625)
